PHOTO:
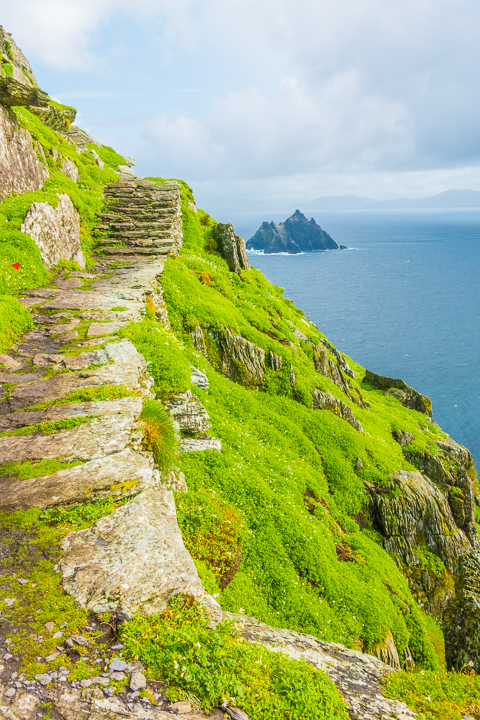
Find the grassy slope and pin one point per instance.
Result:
(274, 447)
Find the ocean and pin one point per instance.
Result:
(403, 301)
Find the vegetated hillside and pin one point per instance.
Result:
(295, 235)
(336, 507)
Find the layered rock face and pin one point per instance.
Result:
(21, 170)
(231, 247)
(297, 234)
(462, 617)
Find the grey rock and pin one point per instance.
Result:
(100, 565)
(326, 401)
(11, 363)
(189, 413)
(403, 437)
(198, 378)
(20, 169)
(80, 640)
(52, 657)
(117, 665)
(49, 626)
(196, 444)
(461, 621)
(117, 675)
(10, 692)
(231, 247)
(118, 646)
(43, 679)
(56, 232)
(86, 683)
(137, 681)
(236, 713)
(180, 708)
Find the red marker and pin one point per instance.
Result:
(16, 266)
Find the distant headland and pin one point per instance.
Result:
(443, 200)
(296, 235)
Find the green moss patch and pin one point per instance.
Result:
(14, 320)
(47, 428)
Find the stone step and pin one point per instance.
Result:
(134, 234)
(122, 250)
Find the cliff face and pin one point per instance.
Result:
(295, 235)
(180, 446)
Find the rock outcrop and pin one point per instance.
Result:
(20, 169)
(240, 360)
(56, 231)
(231, 247)
(358, 676)
(11, 54)
(58, 119)
(325, 401)
(461, 624)
(102, 569)
(398, 388)
(295, 235)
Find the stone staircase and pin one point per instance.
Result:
(143, 218)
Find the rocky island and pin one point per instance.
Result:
(206, 509)
(295, 235)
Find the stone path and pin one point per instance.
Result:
(74, 366)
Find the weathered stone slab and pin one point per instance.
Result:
(84, 300)
(106, 408)
(18, 377)
(101, 567)
(108, 328)
(189, 413)
(188, 444)
(128, 368)
(122, 475)
(56, 231)
(10, 362)
(95, 439)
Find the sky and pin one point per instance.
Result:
(262, 105)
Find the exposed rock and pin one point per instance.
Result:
(461, 624)
(231, 247)
(126, 172)
(122, 474)
(276, 361)
(189, 413)
(295, 235)
(10, 49)
(403, 437)
(137, 681)
(79, 138)
(200, 443)
(10, 362)
(199, 339)
(69, 169)
(55, 118)
(386, 651)
(20, 169)
(97, 159)
(325, 401)
(408, 396)
(236, 713)
(13, 92)
(241, 360)
(357, 676)
(101, 569)
(198, 377)
(55, 231)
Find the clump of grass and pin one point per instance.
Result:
(160, 436)
(217, 667)
(14, 320)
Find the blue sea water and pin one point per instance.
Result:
(403, 302)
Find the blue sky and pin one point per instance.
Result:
(263, 105)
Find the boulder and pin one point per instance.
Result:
(56, 231)
(189, 413)
(231, 247)
(461, 624)
(20, 168)
(101, 567)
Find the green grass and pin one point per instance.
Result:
(14, 320)
(47, 428)
(25, 470)
(160, 436)
(217, 667)
(91, 393)
(438, 695)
